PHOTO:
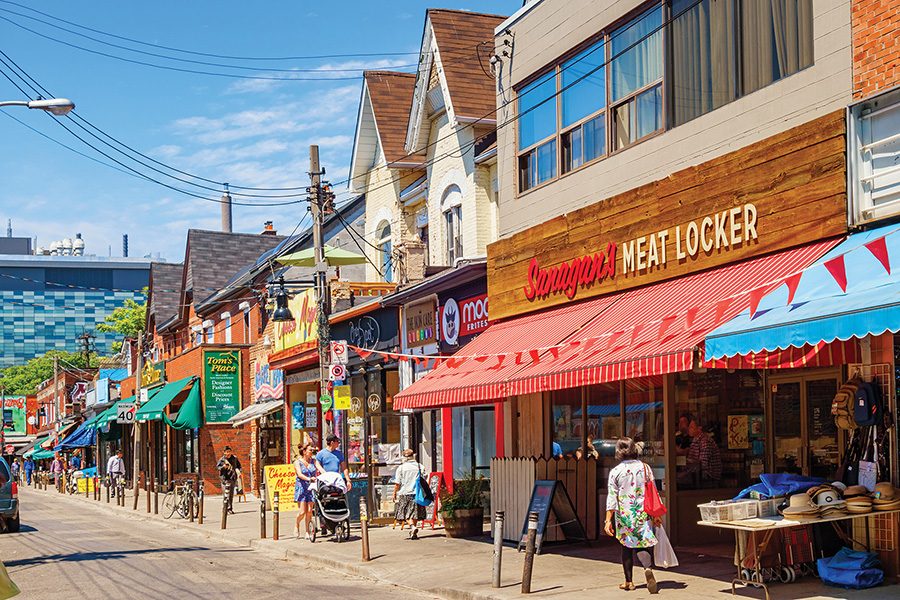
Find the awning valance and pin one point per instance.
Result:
(851, 292)
(190, 415)
(155, 407)
(646, 331)
(255, 411)
(35, 447)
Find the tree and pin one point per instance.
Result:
(21, 380)
(127, 320)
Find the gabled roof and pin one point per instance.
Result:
(384, 108)
(164, 291)
(211, 258)
(264, 266)
(464, 42)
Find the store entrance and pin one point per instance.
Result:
(806, 438)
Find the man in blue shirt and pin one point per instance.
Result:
(331, 460)
(75, 461)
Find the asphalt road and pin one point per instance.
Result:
(72, 550)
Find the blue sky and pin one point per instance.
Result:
(247, 132)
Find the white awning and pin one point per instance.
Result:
(255, 411)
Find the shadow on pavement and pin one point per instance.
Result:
(90, 556)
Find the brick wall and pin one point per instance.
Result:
(876, 46)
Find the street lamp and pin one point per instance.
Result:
(57, 106)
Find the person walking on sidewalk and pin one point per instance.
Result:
(331, 460)
(406, 477)
(14, 469)
(29, 469)
(625, 503)
(228, 467)
(56, 468)
(115, 470)
(305, 466)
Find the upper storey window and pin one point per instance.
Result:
(671, 62)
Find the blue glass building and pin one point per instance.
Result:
(46, 302)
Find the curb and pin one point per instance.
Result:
(268, 548)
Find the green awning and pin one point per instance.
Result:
(190, 415)
(155, 407)
(43, 454)
(36, 447)
(108, 416)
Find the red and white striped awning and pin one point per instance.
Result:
(642, 332)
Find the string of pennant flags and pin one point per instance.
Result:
(835, 266)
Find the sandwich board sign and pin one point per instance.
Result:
(550, 495)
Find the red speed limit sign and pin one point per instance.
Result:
(339, 352)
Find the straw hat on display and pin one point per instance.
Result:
(855, 490)
(829, 502)
(859, 505)
(886, 497)
(801, 508)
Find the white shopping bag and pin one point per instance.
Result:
(663, 554)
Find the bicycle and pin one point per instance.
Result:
(181, 499)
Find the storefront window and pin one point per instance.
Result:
(721, 428)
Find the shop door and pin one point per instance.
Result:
(806, 439)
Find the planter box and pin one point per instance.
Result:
(464, 523)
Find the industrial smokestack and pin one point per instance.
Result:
(125, 245)
(226, 211)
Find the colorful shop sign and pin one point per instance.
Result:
(221, 384)
(303, 330)
(153, 374)
(268, 383)
(460, 319)
(14, 414)
(281, 479)
(731, 208)
(418, 319)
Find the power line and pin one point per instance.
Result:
(147, 177)
(197, 62)
(211, 55)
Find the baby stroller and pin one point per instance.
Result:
(332, 510)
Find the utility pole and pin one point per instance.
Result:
(136, 427)
(317, 201)
(56, 407)
(86, 343)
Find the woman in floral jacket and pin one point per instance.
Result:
(625, 503)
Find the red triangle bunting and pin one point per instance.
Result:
(500, 359)
(690, 317)
(364, 354)
(721, 307)
(554, 352)
(535, 356)
(635, 332)
(664, 326)
(838, 270)
(792, 283)
(756, 297)
(437, 362)
(878, 248)
(519, 358)
(481, 359)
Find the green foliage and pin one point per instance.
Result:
(466, 494)
(24, 379)
(127, 320)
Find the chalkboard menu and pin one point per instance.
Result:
(222, 384)
(547, 495)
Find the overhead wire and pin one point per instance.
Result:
(201, 62)
(211, 55)
(147, 177)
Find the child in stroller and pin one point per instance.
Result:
(332, 510)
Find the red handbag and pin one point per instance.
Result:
(653, 505)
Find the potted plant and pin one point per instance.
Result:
(463, 510)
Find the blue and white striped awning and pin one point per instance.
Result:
(820, 310)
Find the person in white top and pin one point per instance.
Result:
(405, 493)
(115, 469)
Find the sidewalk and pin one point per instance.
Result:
(461, 569)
